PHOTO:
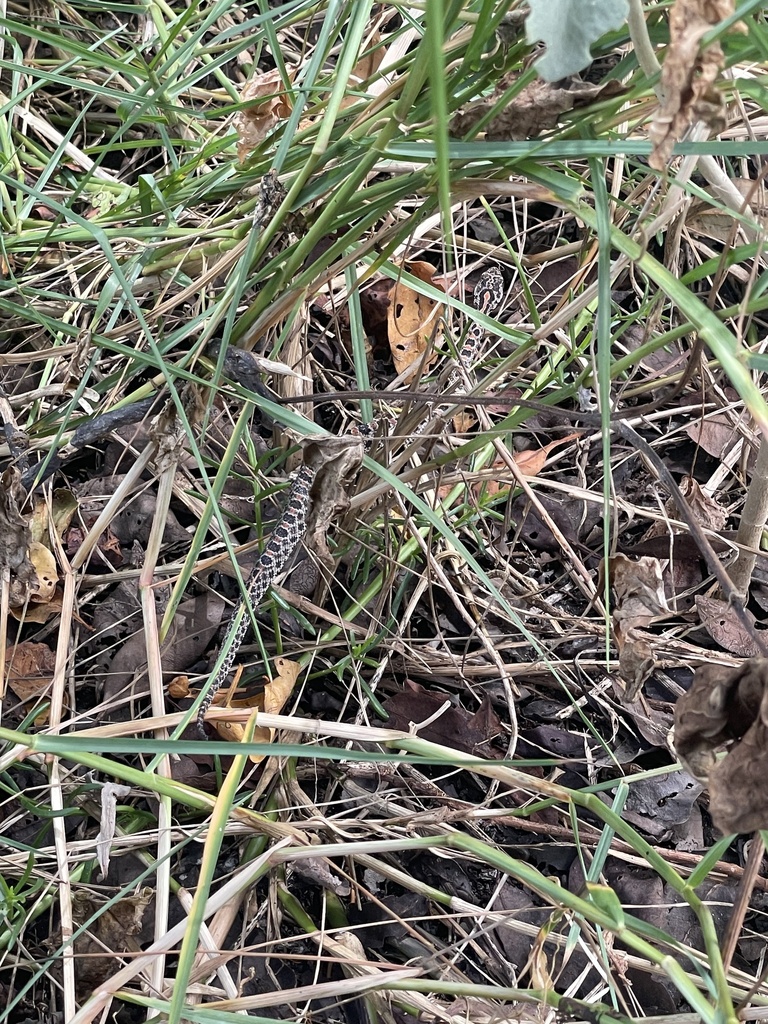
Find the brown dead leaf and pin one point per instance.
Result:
(709, 512)
(534, 110)
(728, 706)
(412, 318)
(30, 670)
(723, 625)
(454, 727)
(113, 932)
(715, 434)
(689, 76)
(179, 687)
(536, 525)
(713, 221)
(639, 591)
(254, 122)
(271, 701)
(531, 463)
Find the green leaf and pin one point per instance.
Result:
(606, 900)
(568, 28)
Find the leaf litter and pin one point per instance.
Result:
(397, 629)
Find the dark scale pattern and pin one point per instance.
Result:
(487, 297)
(273, 559)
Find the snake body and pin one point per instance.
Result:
(486, 297)
(292, 524)
(273, 559)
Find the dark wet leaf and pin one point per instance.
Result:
(658, 803)
(727, 706)
(455, 727)
(194, 626)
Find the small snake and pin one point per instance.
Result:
(292, 524)
(487, 296)
(273, 559)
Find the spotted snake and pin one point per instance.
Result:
(292, 524)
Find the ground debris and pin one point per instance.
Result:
(728, 707)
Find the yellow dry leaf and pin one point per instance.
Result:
(45, 566)
(254, 122)
(412, 318)
(42, 603)
(59, 513)
(276, 692)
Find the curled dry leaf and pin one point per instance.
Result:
(254, 122)
(728, 706)
(709, 512)
(276, 692)
(179, 687)
(688, 76)
(639, 591)
(529, 462)
(412, 318)
(111, 792)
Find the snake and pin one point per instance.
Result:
(292, 524)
